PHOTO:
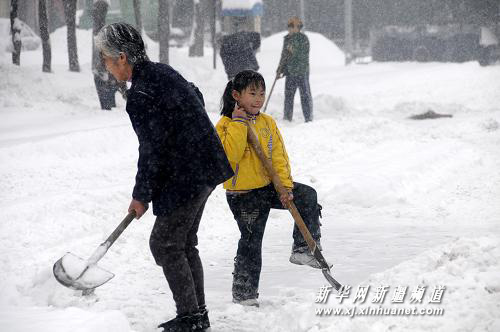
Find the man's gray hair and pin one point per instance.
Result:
(117, 38)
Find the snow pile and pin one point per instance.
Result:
(467, 268)
(323, 53)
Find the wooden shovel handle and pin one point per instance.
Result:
(269, 95)
(254, 142)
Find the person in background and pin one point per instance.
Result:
(106, 85)
(237, 51)
(181, 160)
(294, 64)
(250, 192)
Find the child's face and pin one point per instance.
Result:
(251, 99)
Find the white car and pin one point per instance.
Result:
(29, 39)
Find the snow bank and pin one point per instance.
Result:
(323, 53)
(468, 268)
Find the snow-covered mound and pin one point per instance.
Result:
(467, 268)
(323, 52)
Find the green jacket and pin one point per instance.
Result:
(295, 55)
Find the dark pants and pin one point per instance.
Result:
(106, 92)
(251, 211)
(173, 243)
(291, 85)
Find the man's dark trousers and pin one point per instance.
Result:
(302, 83)
(173, 243)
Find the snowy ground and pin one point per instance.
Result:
(406, 203)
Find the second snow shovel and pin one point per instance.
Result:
(80, 274)
(270, 93)
(277, 77)
(313, 248)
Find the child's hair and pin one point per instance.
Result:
(242, 80)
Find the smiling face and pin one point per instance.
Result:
(251, 99)
(118, 67)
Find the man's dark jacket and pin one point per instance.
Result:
(179, 150)
(296, 62)
(237, 52)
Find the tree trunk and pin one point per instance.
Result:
(196, 48)
(15, 30)
(163, 29)
(348, 43)
(70, 15)
(99, 10)
(44, 34)
(138, 16)
(212, 10)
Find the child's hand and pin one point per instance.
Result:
(286, 198)
(239, 112)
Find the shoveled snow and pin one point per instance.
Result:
(80, 274)
(404, 202)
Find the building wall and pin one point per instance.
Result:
(327, 16)
(4, 8)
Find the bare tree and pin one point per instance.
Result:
(138, 16)
(70, 14)
(15, 29)
(163, 29)
(212, 11)
(44, 34)
(196, 47)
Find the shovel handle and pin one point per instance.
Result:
(254, 142)
(119, 230)
(103, 248)
(269, 95)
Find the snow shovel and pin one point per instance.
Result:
(76, 273)
(277, 77)
(270, 92)
(313, 248)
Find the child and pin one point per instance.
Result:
(250, 193)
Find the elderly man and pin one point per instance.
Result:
(181, 160)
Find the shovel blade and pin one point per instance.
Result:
(75, 273)
(328, 276)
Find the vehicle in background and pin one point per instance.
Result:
(29, 39)
(446, 31)
(445, 43)
(489, 47)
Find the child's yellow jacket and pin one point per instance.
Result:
(248, 169)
